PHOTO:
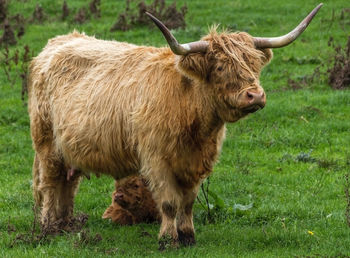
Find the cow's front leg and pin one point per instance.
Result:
(168, 236)
(185, 228)
(168, 197)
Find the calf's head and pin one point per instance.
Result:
(131, 192)
(227, 66)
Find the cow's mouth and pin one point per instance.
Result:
(246, 110)
(252, 109)
(122, 203)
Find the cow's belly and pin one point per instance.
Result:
(96, 150)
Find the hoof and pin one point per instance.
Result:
(186, 238)
(72, 224)
(167, 242)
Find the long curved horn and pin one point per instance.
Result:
(288, 38)
(179, 49)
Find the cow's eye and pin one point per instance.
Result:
(136, 186)
(219, 68)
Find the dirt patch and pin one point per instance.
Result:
(169, 15)
(74, 225)
(39, 234)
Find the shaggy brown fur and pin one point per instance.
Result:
(132, 203)
(120, 109)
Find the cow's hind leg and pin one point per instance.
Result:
(38, 199)
(47, 167)
(57, 194)
(50, 175)
(66, 191)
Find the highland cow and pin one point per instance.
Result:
(132, 203)
(119, 109)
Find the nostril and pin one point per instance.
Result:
(250, 95)
(119, 196)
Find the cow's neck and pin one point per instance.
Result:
(205, 121)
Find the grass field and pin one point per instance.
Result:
(289, 160)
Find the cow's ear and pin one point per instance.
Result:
(267, 56)
(194, 65)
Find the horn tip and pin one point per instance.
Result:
(153, 18)
(149, 14)
(319, 6)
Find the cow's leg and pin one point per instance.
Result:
(66, 191)
(51, 171)
(185, 228)
(58, 193)
(36, 183)
(47, 165)
(168, 197)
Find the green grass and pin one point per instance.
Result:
(261, 160)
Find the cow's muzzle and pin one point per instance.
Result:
(119, 198)
(253, 100)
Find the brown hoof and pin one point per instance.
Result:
(186, 238)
